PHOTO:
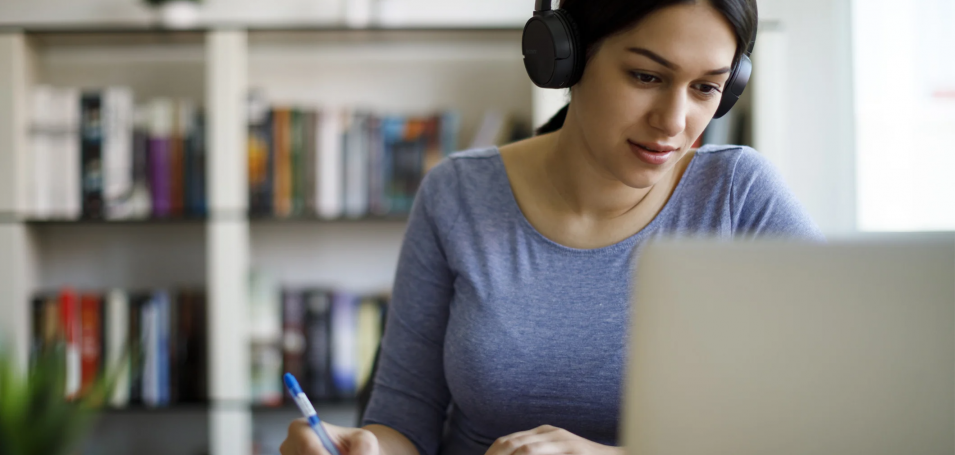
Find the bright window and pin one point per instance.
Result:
(904, 70)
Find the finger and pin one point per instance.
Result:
(543, 447)
(302, 440)
(361, 442)
(506, 445)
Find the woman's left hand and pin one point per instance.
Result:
(547, 440)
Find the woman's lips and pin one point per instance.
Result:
(649, 156)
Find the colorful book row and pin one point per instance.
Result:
(96, 155)
(327, 339)
(339, 163)
(154, 342)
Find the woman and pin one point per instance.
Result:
(507, 329)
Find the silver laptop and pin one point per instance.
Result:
(782, 348)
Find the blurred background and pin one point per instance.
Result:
(225, 183)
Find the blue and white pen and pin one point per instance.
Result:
(309, 412)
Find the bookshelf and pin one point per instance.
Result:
(407, 71)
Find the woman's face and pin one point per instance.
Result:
(653, 87)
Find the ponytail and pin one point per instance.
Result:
(555, 123)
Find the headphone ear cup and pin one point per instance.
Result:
(552, 52)
(735, 85)
(576, 49)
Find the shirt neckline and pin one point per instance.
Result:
(626, 243)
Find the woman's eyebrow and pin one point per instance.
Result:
(670, 65)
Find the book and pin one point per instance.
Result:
(370, 327)
(195, 148)
(356, 166)
(293, 336)
(149, 331)
(182, 119)
(160, 160)
(117, 345)
(91, 341)
(344, 365)
(163, 314)
(139, 339)
(70, 322)
(117, 166)
(259, 149)
(43, 129)
(282, 171)
(91, 149)
(318, 381)
(309, 165)
(190, 380)
(330, 167)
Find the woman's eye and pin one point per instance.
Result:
(645, 78)
(708, 89)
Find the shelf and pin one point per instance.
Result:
(314, 219)
(339, 404)
(190, 221)
(336, 404)
(194, 33)
(128, 222)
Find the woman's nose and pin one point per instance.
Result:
(669, 113)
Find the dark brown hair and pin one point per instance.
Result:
(599, 19)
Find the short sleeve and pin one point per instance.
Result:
(762, 204)
(410, 393)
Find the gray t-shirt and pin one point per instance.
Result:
(496, 329)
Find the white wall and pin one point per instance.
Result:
(271, 12)
(820, 161)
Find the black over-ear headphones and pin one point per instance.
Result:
(554, 56)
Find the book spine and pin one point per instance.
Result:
(330, 166)
(69, 320)
(38, 312)
(159, 176)
(149, 330)
(162, 349)
(160, 161)
(293, 337)
(296, 153)
(91, 143)
(172, 347)
(117, 151)
(308, 163)
(43, 130)
(190, 348)
(68, 151)
(282, 175)
(370, 315)
(136, 348)
(344, 315)
(182, 119)
(198, 146)
(117, 342)
(91, 341)
(318, 345)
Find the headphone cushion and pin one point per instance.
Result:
(573, 36)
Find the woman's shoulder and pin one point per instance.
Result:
(759, 199)
(727, 166)
(463, 168)
(461, 180)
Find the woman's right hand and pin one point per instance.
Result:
(302, 440)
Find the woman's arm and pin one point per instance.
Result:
(410, 396)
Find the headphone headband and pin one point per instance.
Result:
(542, 5)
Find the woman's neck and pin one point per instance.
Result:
(582, 186)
